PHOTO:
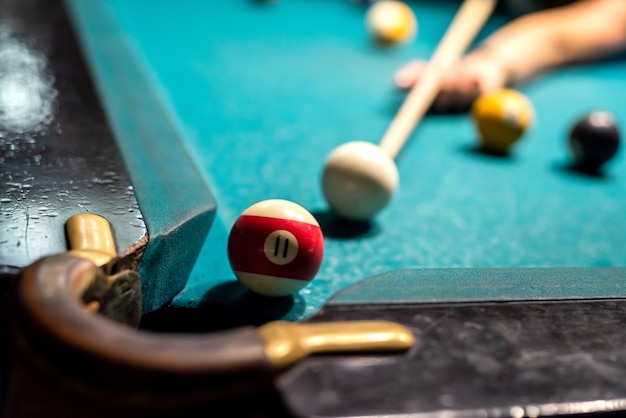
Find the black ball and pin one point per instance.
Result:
(594, 139)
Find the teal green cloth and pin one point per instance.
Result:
(176, 203)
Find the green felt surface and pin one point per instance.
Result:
(259, 94)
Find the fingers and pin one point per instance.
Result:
(407, 76)
(460, 85)
(457, 90)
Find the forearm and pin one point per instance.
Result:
(586, 30)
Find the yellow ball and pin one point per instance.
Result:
(502, 117)
(391, 21)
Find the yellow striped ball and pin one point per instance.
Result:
(391, 21)
(501, 118)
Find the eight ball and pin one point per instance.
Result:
(594, 140)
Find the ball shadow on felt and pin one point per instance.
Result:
(590, 171)
(334, 226)
(225, 306)
(476, 149)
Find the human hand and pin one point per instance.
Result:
(462, 83)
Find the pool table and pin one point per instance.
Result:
(259, 94)
(508, 269)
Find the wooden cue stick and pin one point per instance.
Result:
(466, 24)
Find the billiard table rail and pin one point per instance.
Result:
(73, 322)
(57, 346)
(59, 355)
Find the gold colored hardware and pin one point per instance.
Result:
(93, 306)
(287, 342)
(90, 237)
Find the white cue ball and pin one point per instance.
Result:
(359, 180)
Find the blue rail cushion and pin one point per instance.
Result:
(176, 203)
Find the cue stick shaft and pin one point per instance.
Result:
(466, 24)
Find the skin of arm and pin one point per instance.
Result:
(582, 31)
(585, 30)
